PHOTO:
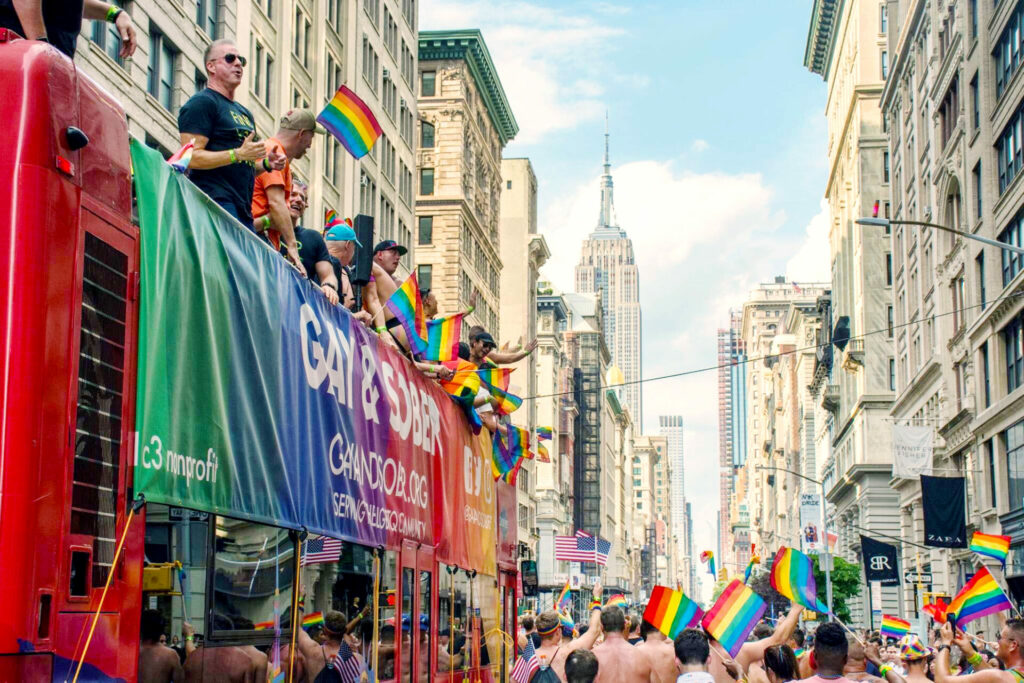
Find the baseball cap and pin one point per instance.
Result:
(484, 337)
(384, 245)
(301, 119)
(341, 233)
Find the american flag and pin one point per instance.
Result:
(604, 548)
(321, 549)
(347, 664)
(582, 547)
(527, 664)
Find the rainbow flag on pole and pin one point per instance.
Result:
(493, 376)
(542, 453)
(617, 600)
(405, 304)
(443, 338)
(507, 454)
(508, 403)
(565, 597)
(465, 382)
(182, 159)
(893, 627)
(544, 433)
(331, 219)
(793, 576)
(734, 616)
(991, 545)
(980, 597)
(671, 611)
(314, 619)
(347, 118)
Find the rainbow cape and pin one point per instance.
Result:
(347, 118)
(314, 619)
(544, 433)
(671, 611)
(618, 600)
(181, 159)
(565, 597)
(443, 338)
(893, 627)
(793, 576)
(980, 597)
(991, 545)
(406, 306)
(507, 403)
(734, 616)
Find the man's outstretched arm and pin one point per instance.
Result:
(754, 652)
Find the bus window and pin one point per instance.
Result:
(408, 586)
(425, 674)
(452, 597)
(386, 615)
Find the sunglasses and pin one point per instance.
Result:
(231, 57)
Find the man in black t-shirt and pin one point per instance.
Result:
(226, 153)
(312, 248)
(60, 21)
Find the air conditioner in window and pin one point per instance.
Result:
(387, 73)
(403, 104)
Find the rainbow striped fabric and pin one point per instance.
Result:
(568, 626)
(991, 545)
(750, 568)
(893, 627)
(443, 338)
(618, 600)
(314, 619)
(406, 306)
(347, 118)
(263, 625)
(465, 382)
(980, 597)
(542, 453)
(734, 616)
(671, 611)
(507, 403)
(507, 455)
(911, 647)
(708, 558)
(181, 159)
(937, 610)
(331, 219)
(793, 576)
(495, 377)
(565, 597)
(544, 433)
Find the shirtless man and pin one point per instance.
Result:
(754, 652)
(220, 665)
(316, 655)
(659, 651)
(693, 654)
(157, 662)
(552, 651)
(618, 661)
(856, 668)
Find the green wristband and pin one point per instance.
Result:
(975, 659)
(884, 669)
(112, 13)
(232, 156)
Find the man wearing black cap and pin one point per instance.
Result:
(387, 254)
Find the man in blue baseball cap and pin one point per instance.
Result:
(341, 245)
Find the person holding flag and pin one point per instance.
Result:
(553, 651)
(1009, 652)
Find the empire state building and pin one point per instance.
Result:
(607, 266)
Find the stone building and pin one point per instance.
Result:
(671, 428)
(465, 122)
(734, 534)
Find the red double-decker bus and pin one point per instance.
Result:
(77, 566)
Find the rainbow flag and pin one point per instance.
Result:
(507, 403)
(507, 454)
(618, 600)
(406, 306)
(565, 597)
(314, 619)
(750, 568)
(331, 220)
(568, 626)
(991, 545)
(980, 597)
(466, 401)
(347, 118)
(734, 616)
(799, 652)
(937, 610)
(542, 453)
(793, 576)
(263, 625)
(708, 558)
(893, 627)
(671, 611)
(493, 376)
(443, 338)
(544, 433)
(465, 382)
(181, 159)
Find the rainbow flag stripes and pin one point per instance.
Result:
(314, 619)
(564, 598)
(542, 453)
(734, 616)
(495, 377)
(181, 159)
(618, 600)
(507, 403)
(793, 576)
(991, 545)
(347, 118)
(331, 219)
(465, 381)
(443, 338)
(507, 454)
(671, 611)
(980, 597)
(544, 433)
(893, 627)
(263, 625)
(405, 304)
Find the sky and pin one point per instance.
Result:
(718, 157)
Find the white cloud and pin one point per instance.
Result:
(551, 62)
(812, 261)
(699, 145)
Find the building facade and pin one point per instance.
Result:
(607, 266)
(733, 535)
(671, 428)
(464, 123)
(952, 106)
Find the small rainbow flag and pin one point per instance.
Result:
(618, 600)
(406, 306)
(565, 597)
(542, 453)
(671, 611)
(734, 616)
(980, 597)
(443, 338)
(754, 559)
(799, 652)
(314, 619)
(347, 118)
(181, 159)
(793, 576)
(568, 626)
(937, 610)
(893, 627)
(544, 433)
(507, 403)
(708, 558)
(263, 625)
(465, 382)
(493, 376)
(991, 545)
(507, 454)
(331, 220)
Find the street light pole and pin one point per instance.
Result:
(827, 562)
(885, 222)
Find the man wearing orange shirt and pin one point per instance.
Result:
(272, 218)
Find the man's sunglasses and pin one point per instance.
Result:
(231, 57)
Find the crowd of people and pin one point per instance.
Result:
(620, 647)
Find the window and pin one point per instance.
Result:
(390, 33)
(949, 110)
(426, 230)
(1007, 51)
(409, 13)
(975, 103)
(405, 123)
(888, 269)
(426, 181)
(331, 159)
(425, 276)
(162, 58)
(889, 319)
(372, 9)
(1008, 151)
(1013, 338)
(885, 167)
(892, 374)
(371, 65)
(979, 264)
(1012, 261)
(976, 181)
(883, 20)
(200, 80)
(1013, 439)
(427, 83)
(959, 302)
(105, 35)
(206, 16)
(986, 381)
(333, 72)
(300, 37)
(334, 14)
(408, 64)
(389, 95)
(885, 65)
(267, 6)
(367, 194)
(972, 8)
(426, 134)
